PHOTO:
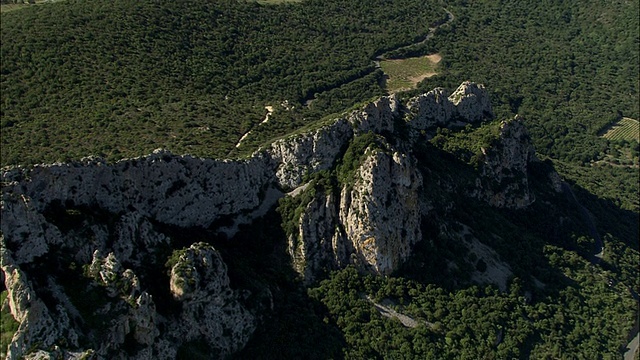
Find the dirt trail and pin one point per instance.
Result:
(431, 33)
(376, 61)
(266, 119)
(386, 311)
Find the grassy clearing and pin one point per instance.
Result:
(4, 8)
(405, 74)
(625, 129)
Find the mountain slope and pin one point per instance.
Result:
(120, 79)
(177, 268)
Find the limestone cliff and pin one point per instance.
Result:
(371, 221)
(380, 213)
(97, 257)
(469, 103)
(107, 310)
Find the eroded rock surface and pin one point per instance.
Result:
(97, 240)
(504, 180)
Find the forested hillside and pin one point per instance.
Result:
(557, 278)
(120, 79)
(570, 69)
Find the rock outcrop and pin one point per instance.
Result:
(210, 308)
(110, 300)
(104, 232)
(319, 244)
(380, 213)
(504, 180)
(469, 103)
(304, 154)
(372, 221)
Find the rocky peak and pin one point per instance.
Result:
(210, 308)
(376, 117)
(504, 180)
(381, 213)
(111, 220)
(303, 154)
(469, 103)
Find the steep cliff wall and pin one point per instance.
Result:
(372, 221)
(380, 213)
(469, 103)
(105, 227)
(504, 180)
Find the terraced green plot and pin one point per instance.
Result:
(625, 129)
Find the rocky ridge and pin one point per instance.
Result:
(504, 181)
(108, 220)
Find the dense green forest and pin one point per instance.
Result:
(570, 69)
(120, 79)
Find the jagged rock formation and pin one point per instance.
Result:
(504, 178)
(104, 226)
(303, 154)
(372, 222)
(209, 306)
(380, 214)
(469, 103)
(107, 312)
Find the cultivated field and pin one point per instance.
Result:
(6, 7)
(404, 74)
(625, 129)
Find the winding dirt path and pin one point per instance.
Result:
(431, 33)
(376, 61)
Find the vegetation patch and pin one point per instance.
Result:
(405, 74)
(119, 79)
(468, 143)
(8, 326)
(626, 129)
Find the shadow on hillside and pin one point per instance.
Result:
(518, 236)
(290, 325)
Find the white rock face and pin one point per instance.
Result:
(469, 103)
(372, 223)
(307, 153)
(381, 213)
(116, 215)
(210, 308)
(177, 190)
(376, 117)
(320, 245)
(430, 110)
(27, 309)
(303, 154)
